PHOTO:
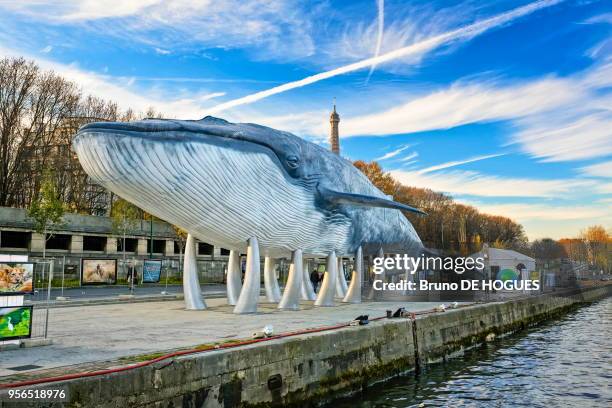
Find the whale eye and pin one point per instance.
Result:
(293, 161)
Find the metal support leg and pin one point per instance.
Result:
(373, 294)
(408, 277)
(308, 292)
(270, 282)
(291, 295)
(191, 283)
(328, 288)
(353, 294)
(341, 285)
(234, 278)
(249, 295)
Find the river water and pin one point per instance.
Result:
(566, 362)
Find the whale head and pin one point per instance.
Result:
(223, 182)
(226, 182)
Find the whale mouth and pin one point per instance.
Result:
(102, 143)
(149, 125)
(147, 129)
(172, 130)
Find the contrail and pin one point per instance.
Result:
(381, 29)
(420, 47)
(458, 163)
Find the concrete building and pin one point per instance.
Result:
(507, 264)
(86, 236)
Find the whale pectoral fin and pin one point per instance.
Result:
(339, 197)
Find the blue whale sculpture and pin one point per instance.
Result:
(226, 182)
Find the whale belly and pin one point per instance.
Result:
(220, 194)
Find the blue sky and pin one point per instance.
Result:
(504, 105)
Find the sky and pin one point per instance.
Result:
(504, 105)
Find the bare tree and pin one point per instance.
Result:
(40, 112)
(33, 105)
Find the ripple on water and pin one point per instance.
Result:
(567, 362)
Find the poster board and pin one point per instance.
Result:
(151, 270)
(16, 278)
(98, 271)
(16, 322)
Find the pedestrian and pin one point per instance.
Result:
(314, 278)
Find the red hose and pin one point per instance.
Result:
(182, 353)
(169, 355)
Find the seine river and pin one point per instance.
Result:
(567, 362)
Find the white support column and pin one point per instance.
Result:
(341, 285)
(234, 278)
(353, 294)
(291, 295)
(38, 242)
(191, 283)
(308, 292)
(168, 247)
(373, 294)
(381, 254)
(408, 277)
(271, 283)
(142, 247)
(328, 287)
(249, 295)
(111, 245)
(76, 244)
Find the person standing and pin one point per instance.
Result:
(314, 278)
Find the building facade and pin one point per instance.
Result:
(86, 236)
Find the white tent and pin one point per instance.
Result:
(506, 262)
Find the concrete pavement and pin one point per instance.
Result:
(109, 332)
(110, 294)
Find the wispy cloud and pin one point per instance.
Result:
(198, 80)
(548, 113)
(410, 158)
(380, 29)
(477, 184)
(302, 123)
(463, 33)
(68, 10)
(207, 97)
(524, 211)
(404, 24)
(162, 51)
(458, 163)
(605, 18)
(47, 49)
(567, 135)
(550, 220)
(577, 129)
(604, 188)
(278, 28)
(393, 153)
(121, 90)
(464, 103)
(603, 169)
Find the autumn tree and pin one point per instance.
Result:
(598, 244)
(450, 226)
(383, 181)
